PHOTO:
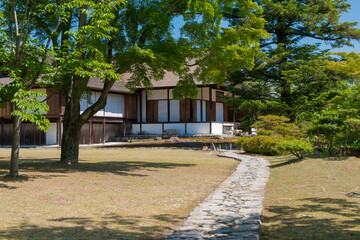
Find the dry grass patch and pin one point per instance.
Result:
(111, 194)
(308, 199)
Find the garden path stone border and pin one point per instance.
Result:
(233, 210)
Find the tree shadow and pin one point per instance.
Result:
(50, 165)
(327, 157)
(4, 186)
(313, 220)
(108, 227)
(281, 163)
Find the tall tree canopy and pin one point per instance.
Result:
(107, 38)
(23, 58)
(294, 70)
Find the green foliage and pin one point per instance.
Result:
(241, 142)
(260, 144)
(29, 108)
(23, 57)
(327, 125)
(295, 147)
(296, 73)
(272, 125)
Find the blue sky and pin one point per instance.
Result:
(352, 16)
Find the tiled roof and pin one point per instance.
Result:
(170, 80)
(97, 84)
(5, 80)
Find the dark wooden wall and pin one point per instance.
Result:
(6, 111)
(130, 107)
(152, 111)
(183, 109)
(53, 100)
(85, 134)
(29, 135)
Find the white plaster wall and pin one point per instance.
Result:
(152, 128)
(219, 112)
(135, 129)
(162, 111)
(226, 93)
(83, 103)
(199, 93)
(159, 94)
(178, 126)
(204, 111)
(213, 96)
(217, 128)
(198, 111)
(198, 128)
(205, 94)
(51, 134)
(174, 110)
(170, 93)
(94, 97)
(143, 101)
(115, 106)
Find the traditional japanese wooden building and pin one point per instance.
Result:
(126, 113)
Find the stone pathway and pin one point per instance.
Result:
(233, 210)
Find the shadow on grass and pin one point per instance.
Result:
(50, 165)
(327, 157)
(281, 163)
(313, 220)
(107, 227)
(4, 186)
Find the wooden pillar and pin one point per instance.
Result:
(59, 132)
(104, 129)
(168, 105)
(2, 132)
(201, 106)
(210, 102)
(146, 110)
(124, 133)
(90, 132)
(186, 115)
(140, 111)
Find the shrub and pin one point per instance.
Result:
(241, 142)
(259, 144)
(295, 147)
(277, 126)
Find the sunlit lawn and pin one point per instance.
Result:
(308, 199)
(111, 194)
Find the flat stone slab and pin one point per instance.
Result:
(233, 210)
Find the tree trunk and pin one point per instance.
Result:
(331, 146)
(346, 140)
(2, 132)
(70, 144)
(14, 163)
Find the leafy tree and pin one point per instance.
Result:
(276, 126)
(347, 102)
(104, 39)
(327, 125)
(295, 147)
(24, 59)
(293, 70)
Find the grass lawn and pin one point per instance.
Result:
(307, 199)
(111, 194)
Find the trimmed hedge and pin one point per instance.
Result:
(260, 144)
